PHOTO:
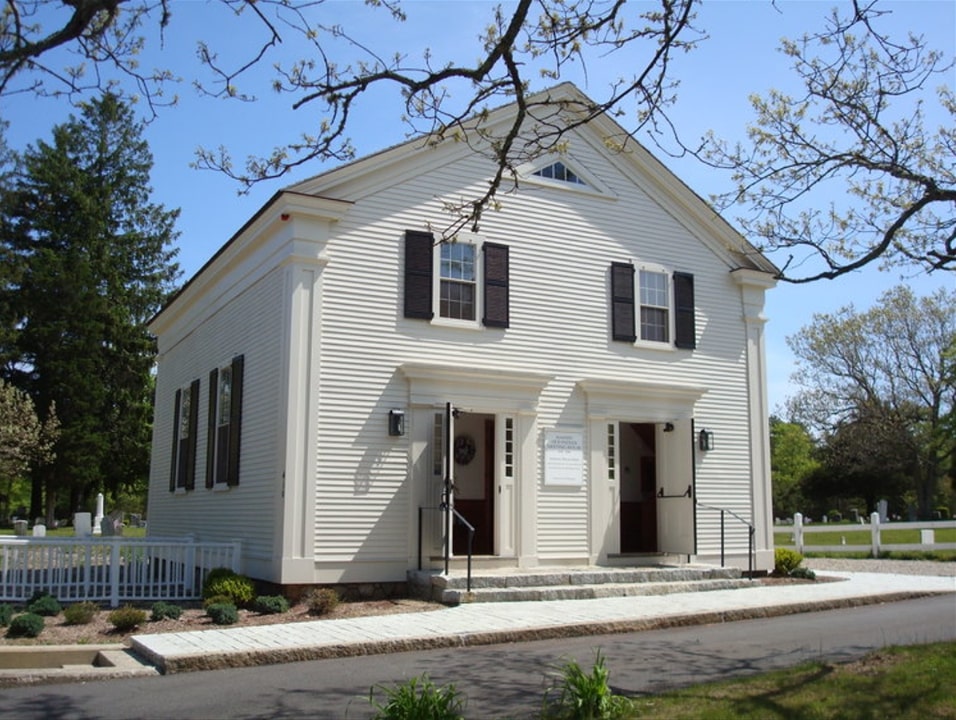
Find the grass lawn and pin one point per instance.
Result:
(132, 532)
(909, 682)
(856, 536)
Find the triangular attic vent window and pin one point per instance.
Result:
(560, 171)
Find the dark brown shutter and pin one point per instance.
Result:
(686, 327)
(418, 274)
(193, 433)
(174, 459)
(211, 427)
(496, 285)
(235, 419)
(622, 302)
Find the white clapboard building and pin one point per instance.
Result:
(586, 372)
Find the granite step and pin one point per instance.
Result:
(509, 585)
(456, 596)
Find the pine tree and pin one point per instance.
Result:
(96, 263)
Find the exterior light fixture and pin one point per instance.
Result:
(706, 439)
(396, 423)
(669, 427)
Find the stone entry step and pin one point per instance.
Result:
(512, 585)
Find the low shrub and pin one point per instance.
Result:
(321, 601)
(165, 611)
(223, 613)
(81, 613)
(271, 605)
(25, 625)
(127, 618)
(6, 613)
(803, 573)
(240, 589)
(45, 605)
(418, 697)
(217, 600)
(785, 561)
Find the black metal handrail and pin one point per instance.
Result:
(751, 531)
(457, 517)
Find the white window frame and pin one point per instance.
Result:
(639, 305)
(589, 185)
(477, 241)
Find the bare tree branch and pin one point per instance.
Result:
(848, 174)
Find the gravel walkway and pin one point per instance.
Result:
(896, 567)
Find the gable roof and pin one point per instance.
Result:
(634, 159)
(328, 194)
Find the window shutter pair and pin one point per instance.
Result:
(183, 460)
(623, 306)
(419, 269)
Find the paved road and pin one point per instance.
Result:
(502, 680)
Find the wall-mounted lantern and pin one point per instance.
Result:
(668, 427)
(706, 439)
(396, 423)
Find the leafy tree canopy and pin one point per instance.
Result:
(95, 264)
(878, 386)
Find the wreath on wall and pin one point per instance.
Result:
(464, 449)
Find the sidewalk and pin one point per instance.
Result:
(487, 623)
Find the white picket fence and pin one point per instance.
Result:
(927, 531)
(110, 569)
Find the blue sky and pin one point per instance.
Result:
(739, 58)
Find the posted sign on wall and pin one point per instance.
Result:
(563, 457)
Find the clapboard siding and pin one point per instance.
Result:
(561, 245)
(250, 326)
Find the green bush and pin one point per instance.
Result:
(165, 611)
(127, 618)
(224, 582)
(583, 696)
(217, 600)
(785, 561)
(25, 625)
(81, 613)
(321, 600)
(410, 701)
(6, 613)
(45, 605)
(223, 613)
(271, 605)
(803, 573)
(834, 516)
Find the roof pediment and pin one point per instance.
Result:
(562, 103)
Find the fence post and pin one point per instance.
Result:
(114, 572)
(237, 555)
(798, 532)
(875, 534)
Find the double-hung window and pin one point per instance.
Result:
(224, 420)
(652, 306)
(655, 305)
(462, 282)
(458, 281)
